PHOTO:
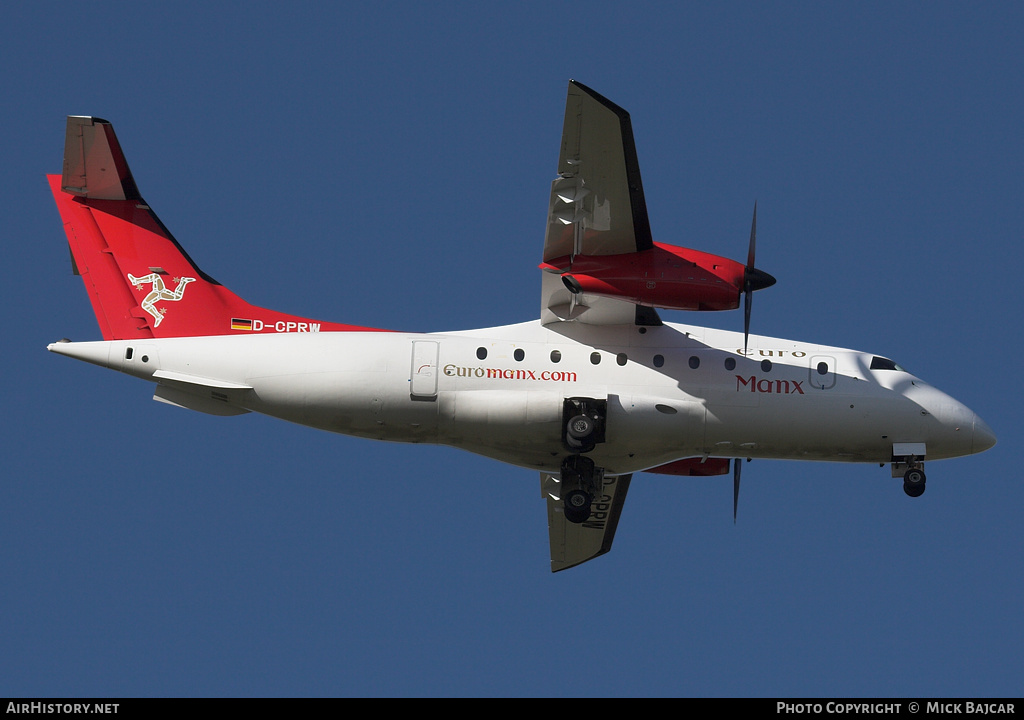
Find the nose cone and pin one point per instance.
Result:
(984, 438)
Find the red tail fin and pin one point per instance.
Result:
(140, 281)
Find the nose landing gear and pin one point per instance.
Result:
(908, 462)
(913, 482)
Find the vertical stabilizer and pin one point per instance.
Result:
(140, 281)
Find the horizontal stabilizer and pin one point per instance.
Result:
(205, 395)
(176, 377)
(208, 403)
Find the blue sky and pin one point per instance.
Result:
(389, 166)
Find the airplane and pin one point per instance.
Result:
(591, 392)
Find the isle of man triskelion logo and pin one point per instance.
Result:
(159, 293)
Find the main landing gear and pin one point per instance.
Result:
(583, 423)
(582, 481)
(582, 429)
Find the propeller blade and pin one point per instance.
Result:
(736, 465)
(753, 279)
(748, 299)
(748, 292)
(753, 240)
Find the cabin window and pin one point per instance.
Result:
(730, 363)
(621, 358)
(659, 360)
(766, 366)
(481, 353)
(694, 362)
(595, 358)
(823, 368)
(128, 353)
(556, 356)
(519, 354)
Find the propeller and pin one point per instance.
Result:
(736, 465)
(753, 279)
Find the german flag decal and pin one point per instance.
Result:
(241, 324)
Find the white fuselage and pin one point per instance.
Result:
(672, 391)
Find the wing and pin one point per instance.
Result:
(597, 204)
(596, 208)
(572, 543)
(557, 304)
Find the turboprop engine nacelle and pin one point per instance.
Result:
(665, 276)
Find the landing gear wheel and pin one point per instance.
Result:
(580, 427)
(577, 506)
(913, 490)
(914, 482)
(583, 424)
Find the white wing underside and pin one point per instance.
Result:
(596, 206)
(558, 304)
(572, 543)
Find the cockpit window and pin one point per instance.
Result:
(881, 363)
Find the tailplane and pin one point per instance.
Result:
(141, 283)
